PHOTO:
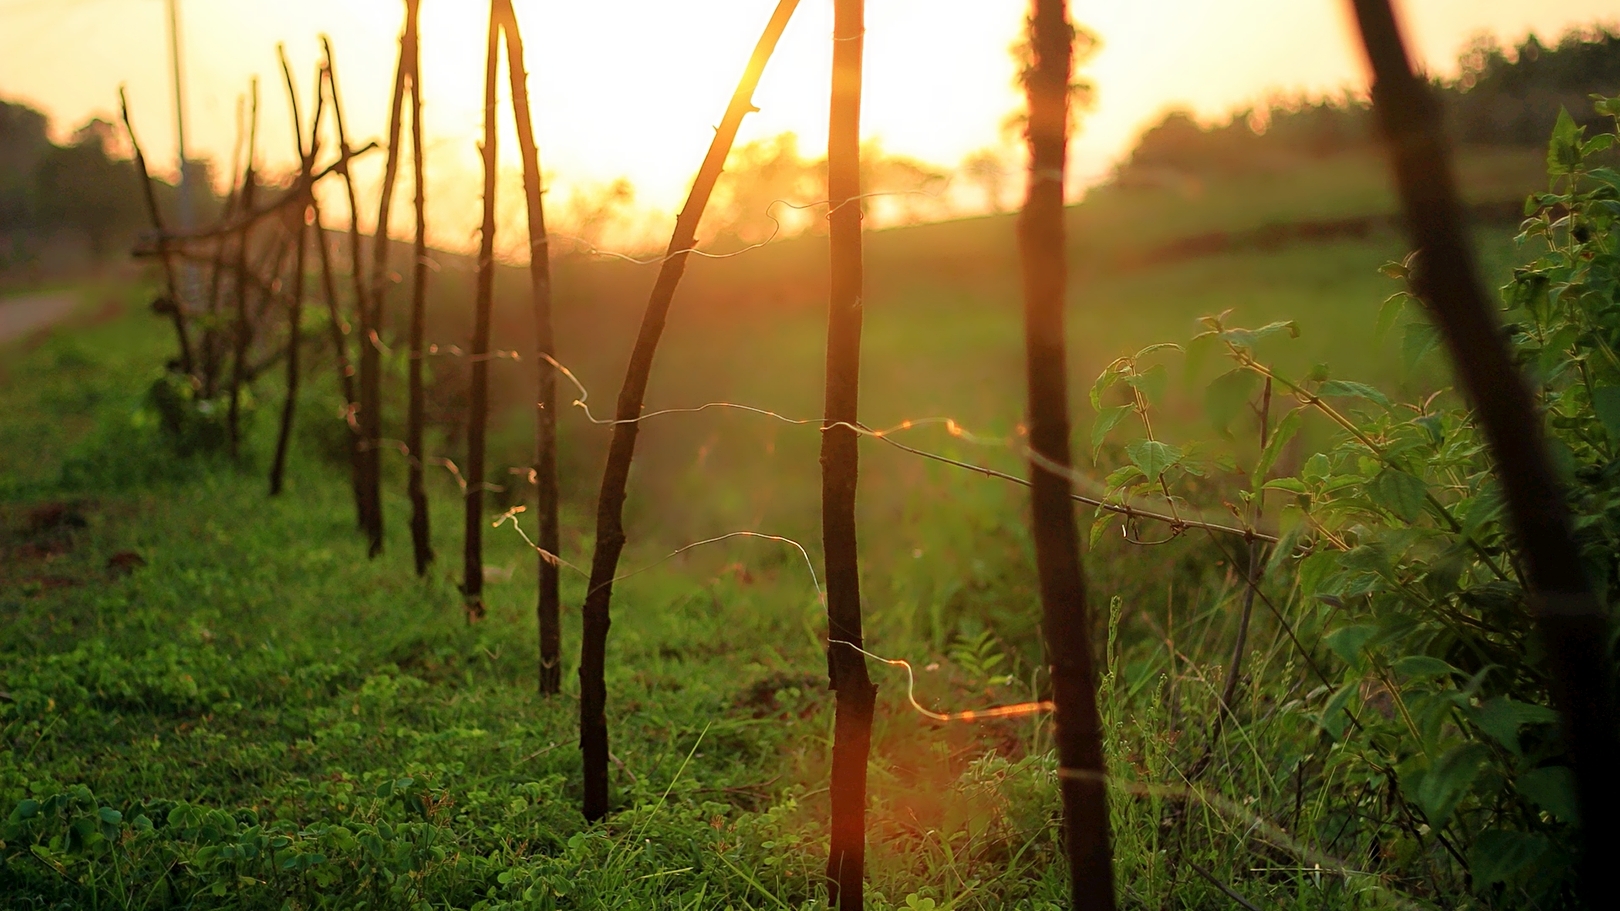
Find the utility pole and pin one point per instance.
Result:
(179, 114)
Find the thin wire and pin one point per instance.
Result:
(1016, 710)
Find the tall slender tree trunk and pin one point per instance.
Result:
(176, 313)
(472, 585)
(369, 452)
(1572, 622)
(840, 468)
(421, 545)
(548, 601)
(593, 734)
(1065, 624)
(295, 308)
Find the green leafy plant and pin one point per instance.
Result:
(1427, 682)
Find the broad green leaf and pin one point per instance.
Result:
(1347, 641)
(1444, 783)
(1121, 476)
(1502, 717)
(1105, 381)
(1551, 788)
(1246, 338)
(1418, 340)
(1393, 307)
(1563, 152)
(1153, 457)
(1335, 715)
(1280, 436)
(1291, 485)
(1106, 421)
(1606, 402)
(1151, 382)
(1400, 493)
(1228, 396)
(1345, 388)
(1419, 667)
(1499, 853)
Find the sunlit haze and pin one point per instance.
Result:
(632, 87)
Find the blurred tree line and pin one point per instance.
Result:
(68, 204)
(1501, 97)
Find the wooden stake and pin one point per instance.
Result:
(1572, 622)
(840, 468)
(369, 445)
(593, 735)
(548, 603)
(295, 309)
(472, 583)
(421, 546)
(1065, 620)
(173, 306)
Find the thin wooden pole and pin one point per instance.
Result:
(472, 582)
(1065, 619)
(176, 314)
(370, 341)
(295, 308)
(840, 468)
(369, 447)
(345, 369)
(421, 545)
(548, 602)
(593, 734)
(1571, 620)
(216, 272)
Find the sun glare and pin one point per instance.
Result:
(630, 89)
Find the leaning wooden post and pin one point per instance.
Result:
(173, 288)
(548, 603)
(295, 309)
(472, 579)
(1571, 620)
(345, 369)
(369, 455)
(370, 341)
(840, 452)
(416, 486)
(593, 734)
(1065, 620)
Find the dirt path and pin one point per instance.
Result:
(22, 315)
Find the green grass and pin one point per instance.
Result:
(259, 717)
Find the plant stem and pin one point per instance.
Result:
(593, 741)
(1066, 622)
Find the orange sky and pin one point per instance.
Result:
(632, 87)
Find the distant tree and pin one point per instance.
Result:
(987, 170)
(81, 187)
(23, 142)
(1512, 97)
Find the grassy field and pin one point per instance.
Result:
(231, 707)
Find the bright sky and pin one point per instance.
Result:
(633, 87)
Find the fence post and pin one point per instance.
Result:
(1065, 619)
(593, 735)
(1571, 620)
